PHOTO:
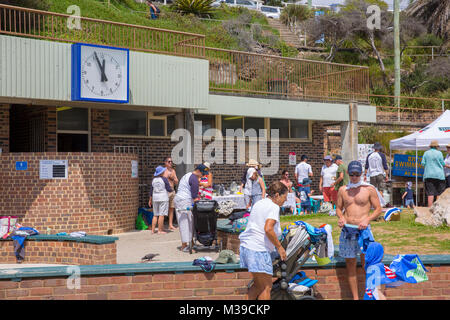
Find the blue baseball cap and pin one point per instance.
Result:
(159, 170)
(355, 167)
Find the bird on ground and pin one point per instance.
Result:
(149, 257)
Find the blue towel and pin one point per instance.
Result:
(403, 269)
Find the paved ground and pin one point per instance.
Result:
(132, 246)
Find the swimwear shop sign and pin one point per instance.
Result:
(405, 166)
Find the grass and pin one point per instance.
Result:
(128, 11)
(397, 237)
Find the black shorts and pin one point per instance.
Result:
(434, 187)
(448, 181)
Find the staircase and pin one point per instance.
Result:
(287, 35)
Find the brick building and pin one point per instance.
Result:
(43, 118)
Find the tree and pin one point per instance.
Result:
(434, 14)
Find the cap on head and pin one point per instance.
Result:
(355, 167)
(377, 146)
(328, 158)
(338, 157)
(202, 168)
(159, 170)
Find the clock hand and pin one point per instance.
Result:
(99, 65)
(102, 68)
(103, 71)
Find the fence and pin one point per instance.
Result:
(290, 78)
(39, 24)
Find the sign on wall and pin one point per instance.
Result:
(405, 166)
(134, 169)
(292, 159)
(53, 169)
(21, 165)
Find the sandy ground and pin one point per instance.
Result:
(132, 246)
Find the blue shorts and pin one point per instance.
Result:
(409, 202)
(256, 261)
(349, 248)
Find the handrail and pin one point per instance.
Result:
(19, 21)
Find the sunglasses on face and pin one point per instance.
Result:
(355, 175)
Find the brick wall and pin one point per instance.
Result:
(99, 194)
(61, 252)
(153, 151)
(4, 128)
(217, 285)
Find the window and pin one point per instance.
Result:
(244, 123)
(157, 126)
(72, 129)
(171, 124)
(73, 119)
(128, 122)
(282, 125)
(291, 129)
(299, 129)
(231, 122)
(269, 9)
(208, 121)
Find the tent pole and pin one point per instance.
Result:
(417, 194)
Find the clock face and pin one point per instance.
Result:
(103, 73)
(102, 79)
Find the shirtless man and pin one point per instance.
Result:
(353, 207)
(173, 181)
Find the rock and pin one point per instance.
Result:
(438, 214)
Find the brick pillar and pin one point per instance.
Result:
(4, 128)
(100, 131)
(50, 129)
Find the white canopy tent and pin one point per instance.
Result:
(438, 130)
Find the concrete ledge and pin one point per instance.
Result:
(86, 239)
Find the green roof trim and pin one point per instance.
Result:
(87, 239)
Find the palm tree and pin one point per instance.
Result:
(434, 14)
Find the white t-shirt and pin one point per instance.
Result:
(302, 170)
(375, 165)
(254, 237)
(447, 162)
(328, 173)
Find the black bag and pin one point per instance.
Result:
(237, 215)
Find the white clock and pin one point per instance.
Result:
(100, 73)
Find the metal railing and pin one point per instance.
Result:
(18, 21)
(425, 51)
(289, 78)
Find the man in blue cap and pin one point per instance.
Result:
(354, 202)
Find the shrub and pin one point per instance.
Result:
(196, 7)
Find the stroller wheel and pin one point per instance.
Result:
(307, 298)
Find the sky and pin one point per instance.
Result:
(403, 3)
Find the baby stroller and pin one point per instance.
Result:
(205, 223)
(300, 245)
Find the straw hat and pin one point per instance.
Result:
(434, 144)
(252, 163)
(448, 146)
(206, 164)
